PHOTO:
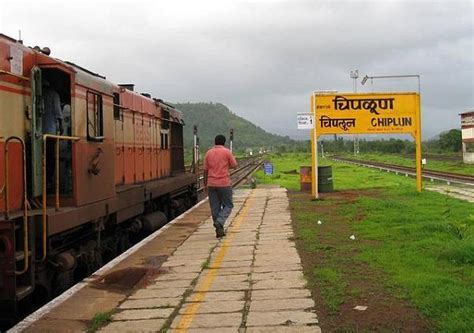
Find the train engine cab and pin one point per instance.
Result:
(87, 169)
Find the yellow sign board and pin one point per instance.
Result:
(367, 113)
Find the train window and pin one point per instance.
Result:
(95, 122)
(117, 106)
(164, 140)
(166, 123)
(469, 147)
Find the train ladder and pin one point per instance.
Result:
(26, 252)
(44, 219)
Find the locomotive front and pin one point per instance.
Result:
(74, 195)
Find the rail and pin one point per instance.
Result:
(25, 198)
(432, 175)
(251, 164)
(58, 138)
(246, 171)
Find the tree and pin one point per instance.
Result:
(451, 140)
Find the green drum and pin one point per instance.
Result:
(325, 183)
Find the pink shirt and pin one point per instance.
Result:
(217, 162)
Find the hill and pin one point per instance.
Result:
(216, 118)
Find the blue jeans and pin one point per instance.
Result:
(220, 201)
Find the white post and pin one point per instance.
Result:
(195, 151)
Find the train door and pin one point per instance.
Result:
(153, 147)
(129, 146)
(146, 147)
(164, 136)
(36, 138)
(158, 149)
(51, 88)
(138, 146)
(176, 148)
(165, 160)
(119, 142)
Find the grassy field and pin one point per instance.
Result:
(432, 164)
(413, 251)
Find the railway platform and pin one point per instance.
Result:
(183, 279)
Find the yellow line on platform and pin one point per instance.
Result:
(200, 293)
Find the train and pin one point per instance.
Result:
(73, 200)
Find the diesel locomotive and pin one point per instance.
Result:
(114, 175)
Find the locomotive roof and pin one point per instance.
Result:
(84, 77)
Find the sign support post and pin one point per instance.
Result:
(419, 179)
(314, 152)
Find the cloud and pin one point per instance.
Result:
(263, 58)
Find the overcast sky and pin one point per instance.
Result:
(263, 58)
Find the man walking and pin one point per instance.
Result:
(217, 162)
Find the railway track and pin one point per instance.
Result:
(246, 167)
(454, 158)
(431, 175)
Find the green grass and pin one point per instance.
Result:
(423, 242)
(432, 164)
(100, 319)
(205, 264)
(332, 286)
(285, 163)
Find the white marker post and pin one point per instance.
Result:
(307, 121)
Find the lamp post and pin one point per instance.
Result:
(355, 75)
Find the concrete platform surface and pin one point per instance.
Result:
(188, 281)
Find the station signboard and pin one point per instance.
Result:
(367, 113)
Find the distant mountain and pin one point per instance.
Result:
(216, 118)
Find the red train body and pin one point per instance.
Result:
(121, 174)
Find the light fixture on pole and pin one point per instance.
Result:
(364, 80)
(417, 76)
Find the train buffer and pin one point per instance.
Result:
(181, 278)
